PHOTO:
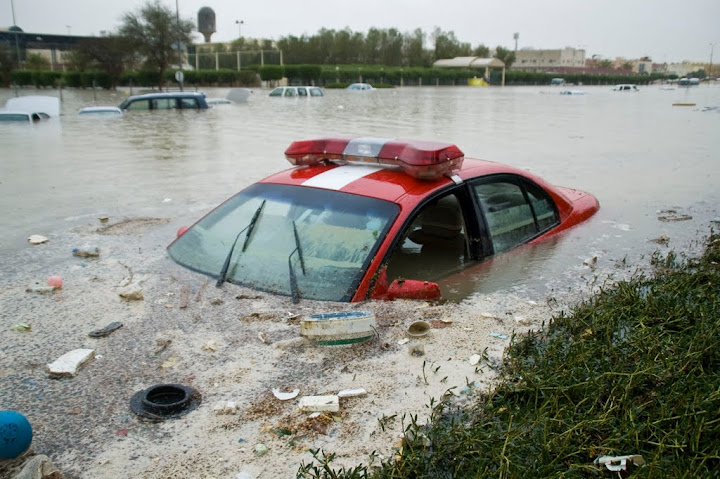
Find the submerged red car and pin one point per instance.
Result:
(371, 218)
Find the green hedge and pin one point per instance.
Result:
(271, 72)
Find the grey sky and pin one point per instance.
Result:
(666, 30)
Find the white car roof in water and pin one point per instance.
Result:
(49, 105)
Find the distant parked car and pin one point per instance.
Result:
(557, 81)
(30, 109)
(297, 91)
(625, 87)
(100, 111)
(21, 116)
(166, 101)
(360, 87)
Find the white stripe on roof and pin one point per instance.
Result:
(338, 178)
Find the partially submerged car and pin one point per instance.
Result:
(297, 91)
(625, 87)
(165, 101)
(100, 111)
(360, 87)
(370, 218)
(30, 109)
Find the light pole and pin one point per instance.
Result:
(515, 37)
(179, 76)
(17, 42)
(710, 66)
(239, 24)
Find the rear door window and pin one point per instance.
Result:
(302, 91)
(139, 105)
(515, 211)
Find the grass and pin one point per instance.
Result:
(633, 370)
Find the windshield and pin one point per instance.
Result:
(338, 235)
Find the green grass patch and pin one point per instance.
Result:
(633, 370)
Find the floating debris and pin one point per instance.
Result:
(68, 364)
(285, 396)
(37, 239)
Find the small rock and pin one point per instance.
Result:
(103, 219)
(132, 292)
(225, 407)
(37, 239)
(474, 359)
(68, 364)
(211, 346)
(261, 449)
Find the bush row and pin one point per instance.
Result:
(42, 79)
(314, 74)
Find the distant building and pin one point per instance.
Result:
(545, 60)
(682, 69)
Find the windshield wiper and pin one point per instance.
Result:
(294, 291)
(249, 228)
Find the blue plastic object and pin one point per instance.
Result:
(15, 434)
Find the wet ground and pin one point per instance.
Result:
(653, 166)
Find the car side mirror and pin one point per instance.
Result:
(413, 289)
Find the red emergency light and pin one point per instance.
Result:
(425, 160)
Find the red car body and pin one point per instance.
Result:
(410, 194)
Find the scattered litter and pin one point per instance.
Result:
(184, 297)
(521, 319)
(132, 292)
(165, 401)
(320, 403)
(68, 364)
(591, 262)
(488, 315)
(216, 301)
(661, 240)
(350, 393)
(99, 333)
(103, 219)
(261, 449)
(672, 216)
(474, 359)
(37, 239)
(498, 335)
(285, 396)
(619, 463)
(172, 361)
(55, 281)
(225, 407)
(291, 343)
(161, 344)
(416, 348)
(21, 327)
(263, 337)
(210, 346)
(39, 467)
(418, 329)
(40, 289)
(314, 415)
(167, 200)
(440, 324)
(403, 341)
(244, 475)
(86, 251)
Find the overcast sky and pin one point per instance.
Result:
(666, 30)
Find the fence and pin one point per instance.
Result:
(235, 60)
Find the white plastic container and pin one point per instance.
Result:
(338, 329)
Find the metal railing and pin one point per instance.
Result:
(235, 60)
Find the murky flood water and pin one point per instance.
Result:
(636, 152)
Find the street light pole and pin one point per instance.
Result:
(179, 76)
(710, 66)
(17, 42)
(239, 24)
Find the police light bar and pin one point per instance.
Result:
(425, 160)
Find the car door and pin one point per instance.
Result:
(440, 237)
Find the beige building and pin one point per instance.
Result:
(530, 59)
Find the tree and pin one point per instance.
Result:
(35, 61)
(507, 56)
(8, 62)
(110, 53)
(626, 66)
(447, 46)
(154, 32)
(481, 51)
(605, 63)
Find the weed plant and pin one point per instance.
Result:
(633, 370)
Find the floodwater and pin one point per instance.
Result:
(639, 154)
